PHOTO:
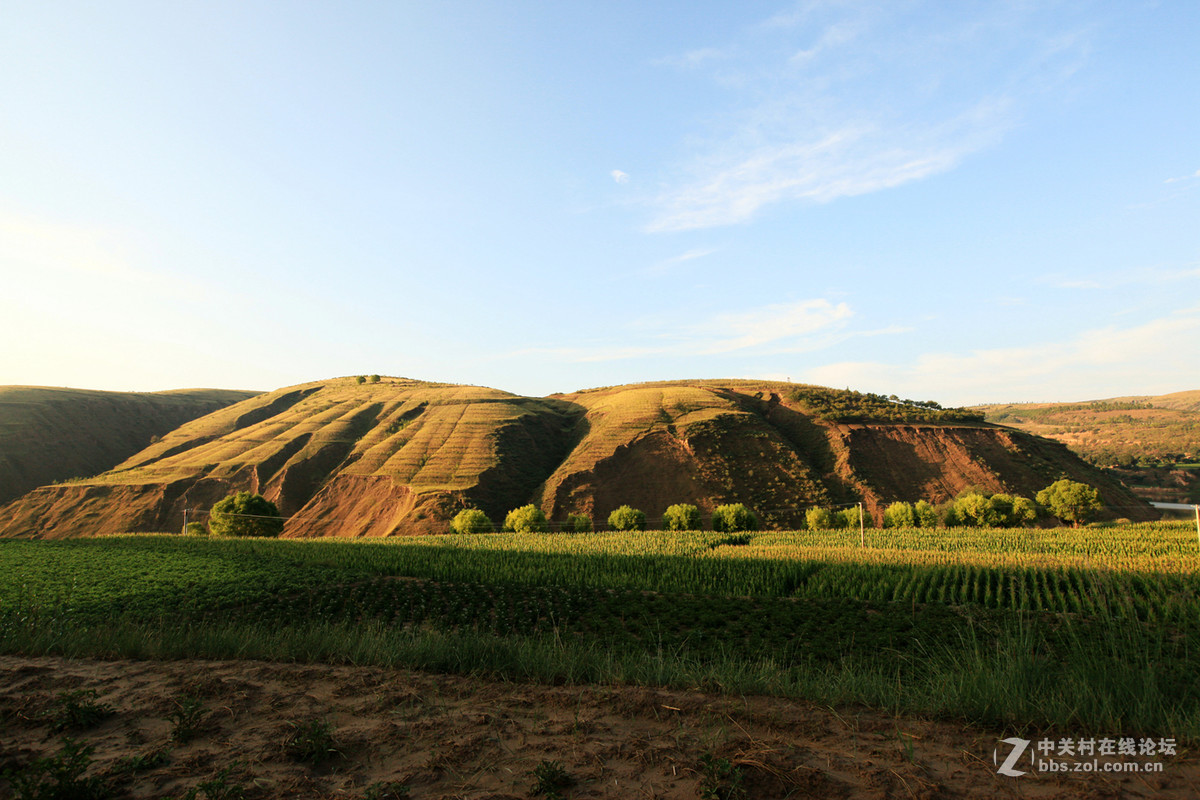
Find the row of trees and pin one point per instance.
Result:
(732, 517)
(247, 514)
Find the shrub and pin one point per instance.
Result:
(819, 519)
(245, 514)
(627, 518)
(899, 515)
(681, 517)
(471, 520)
(373, 379)
(360, 379)
(734, 517)
(195, 529)
(526, 519)
(578, 523)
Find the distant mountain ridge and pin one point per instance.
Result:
(399, 456)
(52, 434)
(1114, 431)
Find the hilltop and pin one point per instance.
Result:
(50, 434)
(343, 458)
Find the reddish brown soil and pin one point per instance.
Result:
(455, 737)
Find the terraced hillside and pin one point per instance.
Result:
(342, 458)
(49, 434)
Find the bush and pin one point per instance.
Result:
(681, 517)
(360, 379)
(578, 523)
(245, 514)
(373, 379)
(471, 520)
(627, 518)
(195, 529)
(526, 519)
(900, 515)
(819, 519)
(734, 517)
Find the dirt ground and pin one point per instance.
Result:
(440, 736)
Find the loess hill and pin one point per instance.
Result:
(49, 434)
(1115, 431)
(402, 457)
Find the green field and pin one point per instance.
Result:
(1035, 630)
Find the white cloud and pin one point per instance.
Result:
(1191, 177)
(795, 327)
(619, 176)
(1158, 356)
(779, 322)
(674, 261)
(831, 101)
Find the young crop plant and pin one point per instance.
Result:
(681, 517)
(526, 519)
(311, 742)
(471, 520)
(627, 518)
(734, 517)
(549, 780)
(78, 710)
(60, 776)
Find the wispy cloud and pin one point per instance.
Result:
(831, 102)
(1141, 276)
(668, 264)
(1195, 175)
(795, 327)
(619, 176)
(1157, 356)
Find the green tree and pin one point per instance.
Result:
(1024, 511)
(734, 517)
(471, 520)
(926, 515)
(360, 379)
(373, 379)
(195, 529)
(526, 519)
(899, 515)
(1070, 501)
(245, 514)
(627, 518)
(819, 519)
(974, 507)
(578, 523)
(681, 517)
(849, 517)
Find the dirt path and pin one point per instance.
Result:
(453, 737)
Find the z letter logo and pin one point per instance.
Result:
(1018, 747)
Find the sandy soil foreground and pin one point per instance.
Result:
(452, 737)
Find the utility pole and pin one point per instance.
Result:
(862, 528)
(185, 519)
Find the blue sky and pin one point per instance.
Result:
(966, 202)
